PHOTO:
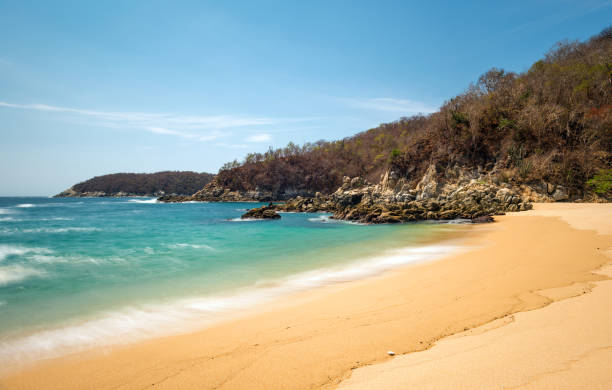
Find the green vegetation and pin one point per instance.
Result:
(602, 181)
(181, 183)
(552, 123)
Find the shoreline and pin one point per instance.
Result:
(194, 313)
(317, 339)
(565, 344)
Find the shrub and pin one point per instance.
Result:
(602, 181)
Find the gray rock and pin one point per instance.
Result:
(560, 194)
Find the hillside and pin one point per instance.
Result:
(140, 184)
(551, 125)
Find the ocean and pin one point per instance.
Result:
(78, 273)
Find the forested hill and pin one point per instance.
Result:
(552, 123)
(141, 184)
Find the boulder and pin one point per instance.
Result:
(560, 194)
(264, 212)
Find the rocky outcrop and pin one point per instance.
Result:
(451, 193)
(72, 193)
(435, 197)
(264, 212)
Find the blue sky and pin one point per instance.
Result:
(89, 88)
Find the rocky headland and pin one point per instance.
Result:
(452, 193)
(139, 184)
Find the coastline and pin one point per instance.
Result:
(317, 338)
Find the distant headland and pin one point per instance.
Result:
(139, 184)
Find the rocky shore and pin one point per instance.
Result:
(394, 200)
(72, 193)
(212, 192)
(450, 194)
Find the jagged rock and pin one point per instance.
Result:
(560, 194)
(466, 194)
(174, 198)
(264, 212)
(428, 184)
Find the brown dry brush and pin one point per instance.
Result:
(552, 123)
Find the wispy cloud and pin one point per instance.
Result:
(259, 138)
(400, 106)
(202, 128)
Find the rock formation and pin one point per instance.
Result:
(451, 193)
(435, 197)
(264, 212)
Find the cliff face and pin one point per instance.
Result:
(450, 194)
(139, 184)
(435, 197)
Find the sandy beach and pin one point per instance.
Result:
(526, 306)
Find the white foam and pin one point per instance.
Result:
(329, 219)
(16, 273)
(52, 230)
(8, 250)
(26, 205)
(137, 323)
(11, 219)
(244, 219)
(323, 219)
(194, 246)
(148, 201)
(4, 211)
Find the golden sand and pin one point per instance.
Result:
(320, 337)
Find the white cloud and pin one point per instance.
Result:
(201, 128)
(259, 138)
(400, 106)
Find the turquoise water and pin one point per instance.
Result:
(76, 273)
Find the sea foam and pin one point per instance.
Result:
(194, 246)
(147, 201)
(52, 230)
(8, 250)
(136, 323)
(16, 273)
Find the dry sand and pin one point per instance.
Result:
(525, 261)
(566, 345)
